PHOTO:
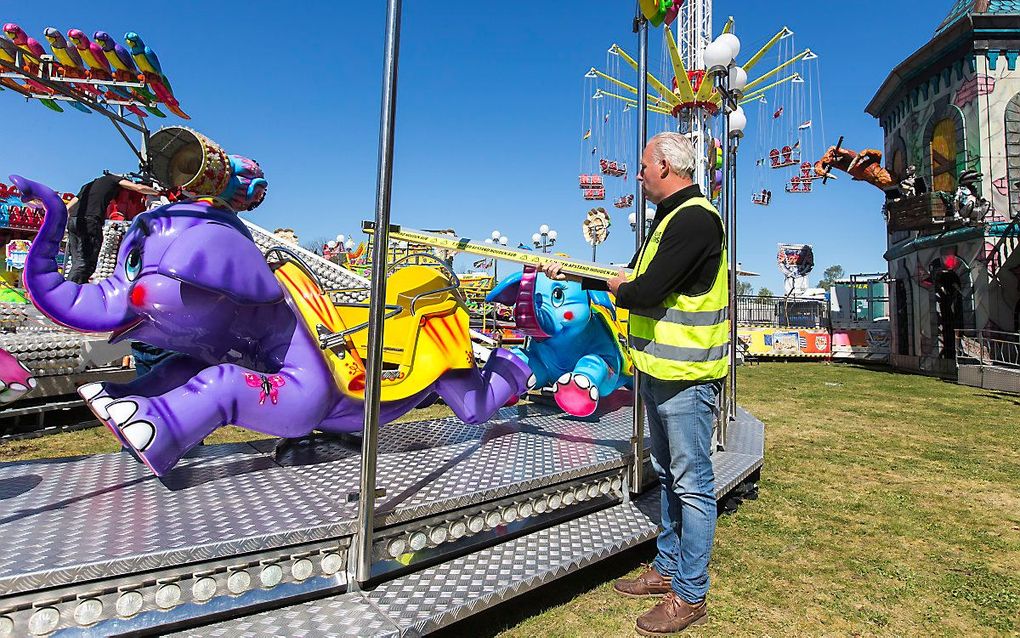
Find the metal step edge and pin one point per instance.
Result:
(425, 601)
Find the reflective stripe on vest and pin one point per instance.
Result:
(685, 337)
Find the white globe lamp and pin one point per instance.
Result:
(732, 44)
(738, 80)
(717, 57)
(738, 122)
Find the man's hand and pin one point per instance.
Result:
(614, 283)
(552, 270)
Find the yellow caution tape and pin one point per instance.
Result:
(466, 245)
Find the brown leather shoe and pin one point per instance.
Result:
(671, 616)
(649, 583)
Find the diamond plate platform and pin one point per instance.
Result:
(433, 598)
(430, 599)
(82, 519)
(82, 536)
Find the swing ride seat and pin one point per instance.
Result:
(595, 193)
(428, 336)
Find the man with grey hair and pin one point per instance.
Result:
(678, 333)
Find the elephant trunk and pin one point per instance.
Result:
(85, 307)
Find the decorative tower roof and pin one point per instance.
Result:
(964, 7)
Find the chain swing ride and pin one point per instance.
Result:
(690, 104)
(786, 127)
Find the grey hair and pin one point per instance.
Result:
(677, 150)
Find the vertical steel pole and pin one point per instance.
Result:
(384, 186)
(732, 183)
(723, 78)
(495, 282)
(638, 442)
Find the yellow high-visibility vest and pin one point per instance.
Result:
(683, 338)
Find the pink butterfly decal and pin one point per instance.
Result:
(268, 386)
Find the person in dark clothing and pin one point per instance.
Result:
(687, 260)
(678, 336)
(86, 215)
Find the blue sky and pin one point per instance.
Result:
(489, 112)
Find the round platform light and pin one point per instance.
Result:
(331, 563)
(555, 501)
(541, 505)
(239, 582)
(418, 541)
(6, 626)
(203, 589)
(438, 534)
(88, 612)
(168, 595)
(605, 487)
(44, 621)
(476, 524)
(129, 604)
(593, 490)
(302, 569)
(526, 509)
(510, 514)
(493, 519)
(617, 484)
(396, 547)
(568, 497)
(271, 575)
(581, 494)
(458, 529)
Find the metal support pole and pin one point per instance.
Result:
(384, 181)
(638, 440)
(732, 187)
(723, 78)
(495, 282)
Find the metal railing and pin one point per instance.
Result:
(783, 312)
(988, 347)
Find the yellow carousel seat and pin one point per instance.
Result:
(419, 343)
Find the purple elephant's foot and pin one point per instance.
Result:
(475, 397)
(576, 394)
(170, 374)
(137, 424)
(97, 399)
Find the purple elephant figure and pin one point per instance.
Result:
(190, 279)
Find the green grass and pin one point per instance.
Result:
(889, 506)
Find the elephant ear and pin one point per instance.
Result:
(602, 298)
(506, 291)
(218, 258)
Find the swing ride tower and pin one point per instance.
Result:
(694, 33)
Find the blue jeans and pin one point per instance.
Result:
(681, 416)
(148, 357)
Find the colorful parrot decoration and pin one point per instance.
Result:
(146, 60)
(102, 65)
(35, 51)
(124, 69)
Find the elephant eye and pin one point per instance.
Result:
(133, 264)
(558, 297)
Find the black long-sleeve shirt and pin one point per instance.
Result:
(687, 261)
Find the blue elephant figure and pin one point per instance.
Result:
(574, 340)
